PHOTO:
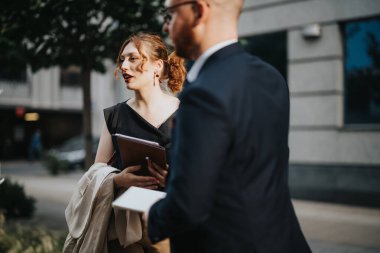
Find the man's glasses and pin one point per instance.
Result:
(168, 11)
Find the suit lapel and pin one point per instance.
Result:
(217, 56)
(221, 55)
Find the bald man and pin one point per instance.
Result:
(227, 187)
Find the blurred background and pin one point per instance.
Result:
(57, 62)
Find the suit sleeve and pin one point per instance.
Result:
(201, 139)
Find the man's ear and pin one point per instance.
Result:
(201, 12)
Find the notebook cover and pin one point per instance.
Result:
(133, 151)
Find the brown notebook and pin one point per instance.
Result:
(133, 151)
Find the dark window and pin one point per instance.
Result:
(12, 70)
(362, 71)
(271, 47)
(70, 76)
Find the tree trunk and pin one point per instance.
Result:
(86, 77)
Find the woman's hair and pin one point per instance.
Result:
(151, 47)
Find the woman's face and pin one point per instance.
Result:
(131, 60)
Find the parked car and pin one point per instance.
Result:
(68, 156)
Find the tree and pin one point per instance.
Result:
(74, 32)
(13, 17)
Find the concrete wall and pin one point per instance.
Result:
(318, 134)
(42, 90)
(262, 16)
(329, 161)
(316, 77)
(14, 94)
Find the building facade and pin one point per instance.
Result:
(51, 100)
(327, 50)
(332, 50)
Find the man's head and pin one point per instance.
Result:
(197, 25)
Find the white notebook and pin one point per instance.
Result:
(138, 199)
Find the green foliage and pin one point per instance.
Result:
(19, 239)
(55, 166)
(14, 202)
(13, 57)
(45, 33)
(66, 32)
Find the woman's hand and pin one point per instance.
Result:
(158, 172)
(127, 179)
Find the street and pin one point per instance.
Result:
(329, 228)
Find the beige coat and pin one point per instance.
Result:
(88, 214)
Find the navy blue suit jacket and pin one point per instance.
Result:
(227, 190)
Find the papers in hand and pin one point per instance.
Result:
(138, 199)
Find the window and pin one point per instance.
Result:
(362, 71)
(271, 47)
(12, 70)
(70, 76)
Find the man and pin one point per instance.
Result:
(227, 188)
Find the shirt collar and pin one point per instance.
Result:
(198, 64)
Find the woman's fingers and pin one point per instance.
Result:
(163, 172)
(151, 187)
(128, 179)
(131, 169)
(157, 172)
(148, 184)
(143, 181)
(157, 175)
(156, 169)
(154, 172)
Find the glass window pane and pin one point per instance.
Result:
(362, 71)
(271, 47)
(70, 76)
(12, 70)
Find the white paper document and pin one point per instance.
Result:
(138, 199)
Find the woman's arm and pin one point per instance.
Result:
(105, 148)
(125, 178)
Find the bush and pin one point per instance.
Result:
(55, 166)
(19, 239)
(14, 202)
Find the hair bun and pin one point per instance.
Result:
(177, 72)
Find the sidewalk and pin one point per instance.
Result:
(339, 228)
(52, 193)
(329, 228)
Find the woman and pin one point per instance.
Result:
(146, 68)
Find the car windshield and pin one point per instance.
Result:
(75, 143)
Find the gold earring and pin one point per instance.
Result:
(154, 78)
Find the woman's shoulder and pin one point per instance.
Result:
(114, 107)
(111, 114)
(172, 102)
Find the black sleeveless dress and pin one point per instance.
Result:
(122, 119)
